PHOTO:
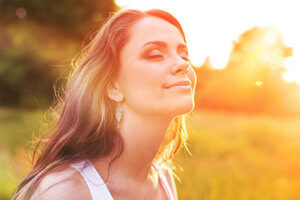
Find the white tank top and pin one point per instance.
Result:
(97, 187)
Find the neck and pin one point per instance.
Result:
(142, 137)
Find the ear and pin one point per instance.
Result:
(114, 92)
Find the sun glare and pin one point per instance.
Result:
(212, 25)
(258, 83)
(293, 70)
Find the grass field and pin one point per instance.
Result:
(234, 156)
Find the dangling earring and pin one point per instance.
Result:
(118, 114)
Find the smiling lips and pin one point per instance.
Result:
(180, 83)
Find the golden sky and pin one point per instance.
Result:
(211, 26)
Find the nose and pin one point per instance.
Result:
(180, 66)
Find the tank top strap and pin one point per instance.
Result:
(95, 183)
(97, 187)
(163, 180)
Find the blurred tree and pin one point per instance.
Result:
(252, 80)
(72, 17)
(37, 42)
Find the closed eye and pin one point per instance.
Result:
(184, 56)
(154, 54)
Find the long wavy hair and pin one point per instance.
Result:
(83, 123)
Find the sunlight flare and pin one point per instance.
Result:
(211, 26)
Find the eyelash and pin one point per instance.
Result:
(160, 56)
(155, 55)
(186, 58)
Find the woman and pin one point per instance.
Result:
(122, 117)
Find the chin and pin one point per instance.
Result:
(183, 106)
(186, 108)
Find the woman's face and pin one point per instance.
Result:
(154, 58)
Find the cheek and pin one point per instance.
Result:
(142, 82)
(143, 91)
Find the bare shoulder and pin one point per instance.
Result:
(63, 183)
(169, 175)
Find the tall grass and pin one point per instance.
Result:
(234, 156)
(17, 129)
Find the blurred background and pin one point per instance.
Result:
(245, 130)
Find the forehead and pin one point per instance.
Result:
(154, 29)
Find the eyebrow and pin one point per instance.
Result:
(164, 45)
